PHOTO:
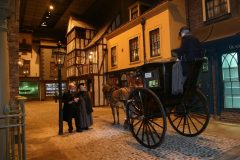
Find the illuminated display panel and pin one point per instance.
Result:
(29, 89)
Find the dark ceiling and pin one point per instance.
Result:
(34, 13)
(37, 18)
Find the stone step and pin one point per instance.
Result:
(233, 117)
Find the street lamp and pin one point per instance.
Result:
(60, 53)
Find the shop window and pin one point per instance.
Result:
(213, 9)
(133, 47)
(231, 84)
(52, 89)
(113, 57)
(154, 43)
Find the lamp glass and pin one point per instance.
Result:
(59, 55)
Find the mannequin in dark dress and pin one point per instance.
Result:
(85, 107)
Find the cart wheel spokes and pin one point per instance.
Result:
(147, 118)
(192, 116)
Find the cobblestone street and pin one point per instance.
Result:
(111, 142)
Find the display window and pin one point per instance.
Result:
(52, 89)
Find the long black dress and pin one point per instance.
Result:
(85, 110)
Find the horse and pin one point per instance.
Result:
(114, 96)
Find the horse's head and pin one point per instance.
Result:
(107, 89)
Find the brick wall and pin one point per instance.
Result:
(235, 7)
(13, 34)
(195, 13)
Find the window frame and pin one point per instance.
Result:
(114, 57)
(135, 48)
(205, 11)
(150, 40)
(134, 12)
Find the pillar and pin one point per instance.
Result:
(4, 81)
(13, 45)
(9, 26)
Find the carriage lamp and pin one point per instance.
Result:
(59, 54)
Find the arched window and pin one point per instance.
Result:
(230, 77)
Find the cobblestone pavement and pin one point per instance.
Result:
(104, 141)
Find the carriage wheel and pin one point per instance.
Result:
(147, 118)
(192, 116)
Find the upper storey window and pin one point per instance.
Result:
(134, 12)
(214, 9)
(113, 56)
(154, 43)
(138, 8)
(133, 47)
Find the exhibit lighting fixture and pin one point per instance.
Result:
(51, 7)
(44, 24)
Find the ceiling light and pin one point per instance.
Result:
(51, 7)
(44, 24)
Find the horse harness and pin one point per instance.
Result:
(120, 95)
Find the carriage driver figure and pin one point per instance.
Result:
(189, 50)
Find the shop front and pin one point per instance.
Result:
(221, 82)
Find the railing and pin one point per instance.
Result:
(12, 124)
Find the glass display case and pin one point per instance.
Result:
(52, 89)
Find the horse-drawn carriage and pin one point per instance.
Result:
(148, 108)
